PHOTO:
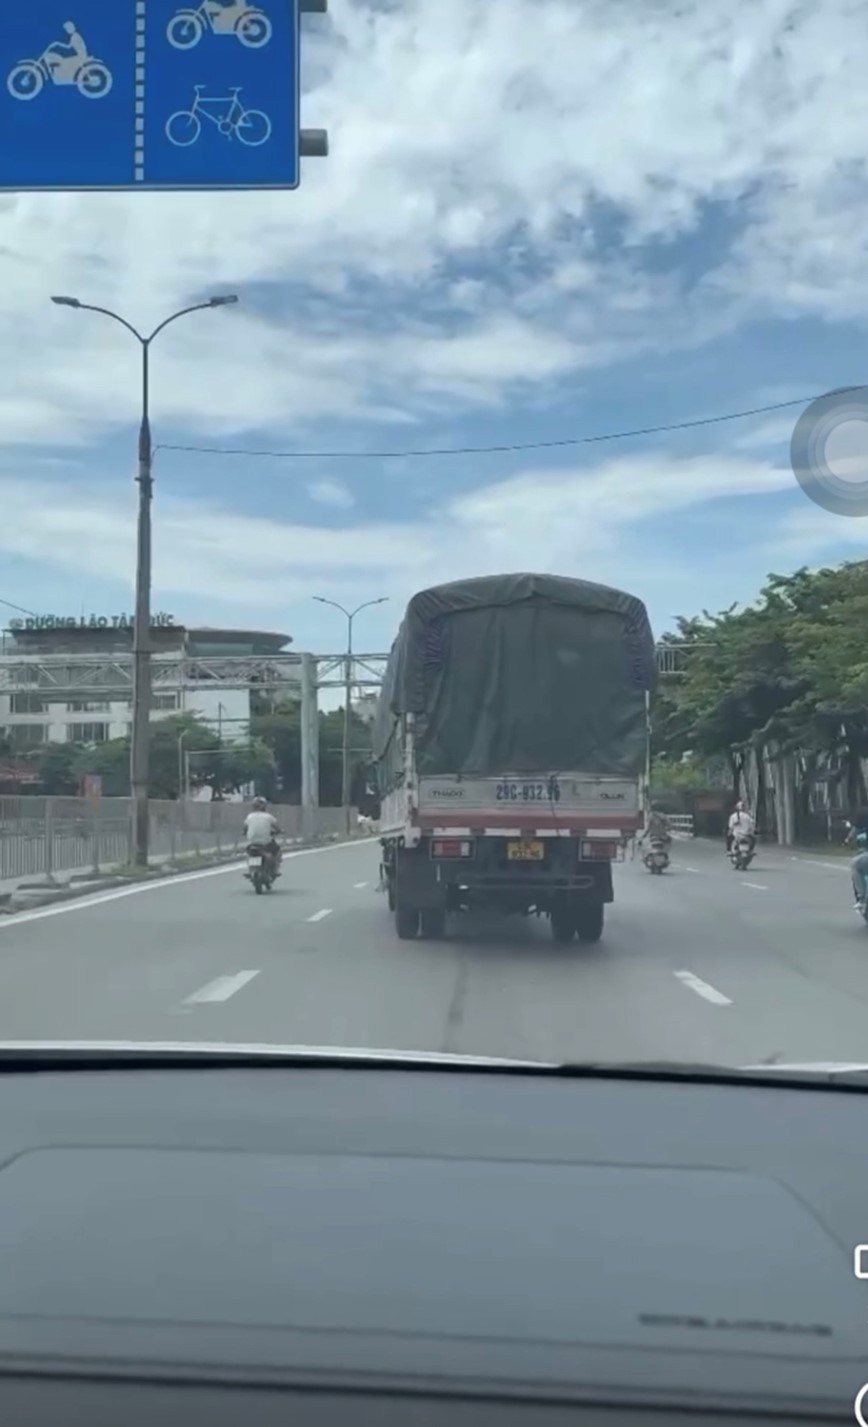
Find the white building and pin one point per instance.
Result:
(71, 680)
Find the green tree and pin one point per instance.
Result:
(110, 762)
(331, 762)
(56, 766)
(280, 732)
(787, 676)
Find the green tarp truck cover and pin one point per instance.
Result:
(518, 674)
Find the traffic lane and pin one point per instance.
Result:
(319, 963)
(795, 961)
(116, 964)
(494, 987)
(685, 971)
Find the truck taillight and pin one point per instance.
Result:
(451, 847)
(599, 851)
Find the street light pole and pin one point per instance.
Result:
(140, 749)
(140, 742)
(348, 689)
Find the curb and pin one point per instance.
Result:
(24, 900)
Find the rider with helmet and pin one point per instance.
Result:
(657, 826)
(261, 829)
(740, 825)
(857, 836)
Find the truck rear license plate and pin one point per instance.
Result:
(525, 851)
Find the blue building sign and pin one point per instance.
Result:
(149, 94)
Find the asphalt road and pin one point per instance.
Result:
(701, 964)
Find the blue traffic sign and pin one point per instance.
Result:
(149, 94)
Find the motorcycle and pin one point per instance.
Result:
(261, 868)
(741, 854)
(656, 859)
(91, 76)
(248, 23)
(860, 841)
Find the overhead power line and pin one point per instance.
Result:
(507, 446)
(20, 608)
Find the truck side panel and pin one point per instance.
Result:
(572, 801)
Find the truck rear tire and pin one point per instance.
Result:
(563, 921)
(589, 921)
(406, 921)
(433, 920)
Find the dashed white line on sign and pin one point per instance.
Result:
(318, 916)
(220, 989)
(702, 988)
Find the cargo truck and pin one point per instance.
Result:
(511, 747)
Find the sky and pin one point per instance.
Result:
(540, 221)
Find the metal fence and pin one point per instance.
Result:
(47, 837)
(682, 823)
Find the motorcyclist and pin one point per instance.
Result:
(657, 827)
(74, 48)
(261, 829)
(857, 836)
(740, 825)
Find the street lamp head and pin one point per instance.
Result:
(66, 301)
(226, 301)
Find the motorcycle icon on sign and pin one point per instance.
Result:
(250, 126)
(62, 63)
(249, 23)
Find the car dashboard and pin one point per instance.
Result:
(424, 1244)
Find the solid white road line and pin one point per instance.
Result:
(220, 989)
(757, 886)
(318, 916)
(359, 885)
(81, 904)
(691, 869)
(702, 988)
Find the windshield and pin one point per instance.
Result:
(461, 451)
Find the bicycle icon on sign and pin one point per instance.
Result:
(64, 62)
(250, 126)
(223, 17)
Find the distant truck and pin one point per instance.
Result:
(511, 750)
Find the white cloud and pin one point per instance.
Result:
(809, 534)
(569, 521)
(450, 249)
(328, 491)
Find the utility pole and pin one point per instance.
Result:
(348, 690)
(140, 749)
(309, 744)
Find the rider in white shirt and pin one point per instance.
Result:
(740, 825)
(262, 828)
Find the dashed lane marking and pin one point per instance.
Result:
(702, 988)
(221, 988)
